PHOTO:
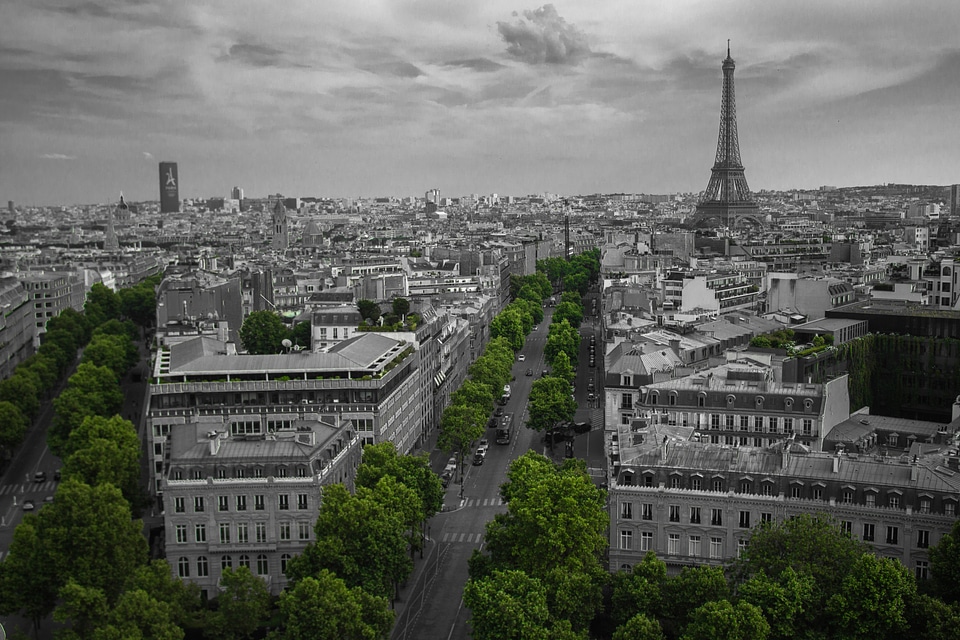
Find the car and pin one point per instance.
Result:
(529, 372)
(48, 499)
(536, 327)
(56, 475)
(40, 476)
(498, 412)
(492, 422)
(544, 374)
(591, 397)
(521, 358)
(593, 362)
(484, 443)
(477, 459)
(28, 505)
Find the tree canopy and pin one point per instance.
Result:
(263, 332)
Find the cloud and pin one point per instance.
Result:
(399, 69)
(57, 156)
(255, 55)
(545, 39)
(148, 155)
(482, 65)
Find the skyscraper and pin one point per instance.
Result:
(169, 188)
(236, 193)
(954, 201)
(727, 199)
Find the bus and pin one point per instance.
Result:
(505, 429)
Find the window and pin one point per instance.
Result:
(647, 513)
(244, 561)
(923, 539)
(717, 484)
(868, 530)
(281, 472)
(284, 559)
(626, 401)
(284, 530)
(284, 502)
(807, 427)
(646, 539)
(894, 501)
(198, 504)
(181, 533)
(243, 533)
(261, 531)
(200, 532)
(716, 517)
(744, 486)
(262, 565)
(871, 499)
(626, 510)
(846, 527)
(796, 491)
(922, 570)
(203, 568)
(716, 548)
(696, 484)
(179, 506)
(729, 421)
(224, 533)
(258, 503)
(741, 547)
(674, 482)
(744, 423)
(949, 507)
(817, 493)
(241, 503)
(674, 513)
(226, 562)
(788, 425)
(626, 540)
(223, 503)
(301, 501)
(303, 530)
(766, 488)
(847, 497)
(695, 515)
(183, 567)
(924, 505)
(774, 425)
(714, 420)
(744, 519)
(673, 543)
(693, 547)
(197, 474)
(893, 535)
(766, 517)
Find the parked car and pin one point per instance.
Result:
(521, 357)
(28, 505)
(529, 372)
(498, 411)
(40, 476)
(56, 475)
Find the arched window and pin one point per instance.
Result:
(731, 399)
(226, 562)
(244, 561)
(759, 401)
(284, 559)
(183, 567)
(203, 568)
(788, 403)
(262, 565)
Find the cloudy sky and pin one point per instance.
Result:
(393, 97)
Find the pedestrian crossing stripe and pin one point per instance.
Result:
(485, 502)
(470, 538)
(34, 487)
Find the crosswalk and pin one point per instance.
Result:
(483, 502)
(469, 538)
(32, 487)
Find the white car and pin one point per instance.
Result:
(521, 357)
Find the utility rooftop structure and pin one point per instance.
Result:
(727, 200)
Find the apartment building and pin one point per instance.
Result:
(241, 494)
(18, 327)
(713, 291)
(52, 292)
(694, 502)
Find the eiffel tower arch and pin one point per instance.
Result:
(727, 200)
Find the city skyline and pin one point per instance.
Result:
(394, 98)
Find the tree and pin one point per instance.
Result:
(156, 579)
(508, 324)
(542, 283)
(102, 304)
(783, 601)
(300, 335)
(13, 426)
(139, 303)
(473, 393)
(534, 310)
(872, 599)
(241, 607)
(637, 591)
(569, 311)
(932, 619)
(91, 391)
(106, 450)
(460, 425)
(562, 337)
(550, 403)
(414, 471)
(369, 310)
(29, 581)
(531, 292)
(20, 390)
(324, 608)
(562, 368)
(694, 587)
(263, 333)
(401, 306)
(639, 627)
(508, 604)
(492, 371)
(117, 353)
(945, 566)
(720, 620)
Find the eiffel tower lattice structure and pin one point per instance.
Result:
(727, 201)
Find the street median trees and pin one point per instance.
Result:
(91, 391)
(550, 403)
(460, 425)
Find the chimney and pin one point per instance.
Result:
(914, 470)
(663, 449)
(214, 439)
(675, 345)
(836, 463)
(784, 454)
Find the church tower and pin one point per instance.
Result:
(110, 240)
(281, 239)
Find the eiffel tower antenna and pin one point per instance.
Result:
(727, 198)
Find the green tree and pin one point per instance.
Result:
(29, 581)
(414, 471)
(91, 391)
(639, 627)
(569, 311)
(694, 587)
(872, 599)
(720, 620)
(637, 591)
(13, 427)
(932, 619)
(460, 425)
(117, 353)
(491, 370)
(242, 605)
(300, 335)
(550, 403)
(139, 304)
(263, 332)
(474, 393)
(533, 310)
(401, 306)
(945, 566)
(507, 604)
(562, 368)
(106, 450)
(324, 608)
(369, 310)
(102, 304)
(761, 342)
(542, 283)
(562, 337)
(45, 367)
(156, 579)
(136, 615)
(783, 601)
(509, 324)
(531, 292)
(578, 282)
(20, 389)
(358, 538)
(73, 322)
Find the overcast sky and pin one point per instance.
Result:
(394, 97)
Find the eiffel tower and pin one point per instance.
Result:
(727, 200)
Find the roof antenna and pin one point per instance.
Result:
(728, 47)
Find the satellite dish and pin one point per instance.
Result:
(286, 343)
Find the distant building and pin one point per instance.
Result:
(18, 328)
(236, 193)
(953, 200)
(169, 188)
(51, 293)
(280, 238)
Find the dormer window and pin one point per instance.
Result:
(788, 404)
(759, 402)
